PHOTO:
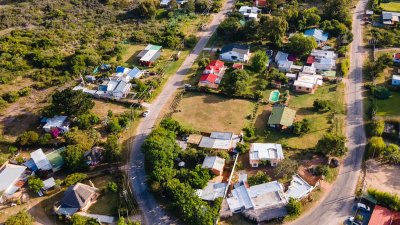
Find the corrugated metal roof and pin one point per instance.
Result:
(298, 188)
(214, 162)
(282, 115)
(212, 191)
(9, 175)
(41, 160)
(222, 135)
(266, 151)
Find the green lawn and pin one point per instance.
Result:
(393, 6)
(389, 107)
(303, 103)
(107, 203)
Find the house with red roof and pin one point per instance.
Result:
(396, 57)
(260, 3)
(384, 216)
(212, 74)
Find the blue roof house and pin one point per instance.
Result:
(396, 80)
(135, 73)
(318, 34)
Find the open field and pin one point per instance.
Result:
(393, 6)
(208, 113)
(389, 107)
(303, 103)
(101, 108)
(383, 177)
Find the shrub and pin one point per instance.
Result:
(35, 184)
(386, 199)
(22, 218)
(74, 178)
(392, 154)
(249, 131)
(242, 148)
(301, 127)
(377, 126)
(381, 93)
(259, 178)
(344, 67)
(112, 187)
(375, 147)
(24, 91)
(190, 41)
(27, 138)
(332, 144)
(294, 207)
(322, 105)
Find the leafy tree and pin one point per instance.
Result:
(86, 121)
(21, 218)
(83, 139)
(273, 28)
(74, 158)
(122, 221)
(381, 93)
(294, 207)
(260, 178)
(147, 8)
(310, 16)
(171, 125)
(392, 154)
(27, 138)
(301, 45)
(229, 28)
(337, 10)
(286, 168)
(301, 127)
(332, 144)
(259, 61)
(191, 41)
(112, 149)
(242, 147)
(201, 5)
(190, 6)
(225, 155)
(113, 125)
(74, 178)
(322, 105)
(45, 139)
(203, 62)
(77, 219)
(391, 201)
(70, 103)
(375, 147)
(35, 184)
(275, 75)
(112, 186)
(235, 83)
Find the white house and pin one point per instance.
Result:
(298, 188)
(114, 88)
(265, 152)
(40, 159)
(9, 177)
(307, 83)
(235, 53)
(396, 80)
(323, 60)
(390, 18)
(212, 191)
(249, 12)
(57, 122)
(285, 66)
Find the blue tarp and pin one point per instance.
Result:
(31, 165)
(120, 69)
(102, 87)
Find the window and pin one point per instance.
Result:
(233, 57)
(307, 89)
(254, 165)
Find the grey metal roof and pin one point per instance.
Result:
(77, 196)
(9, 175)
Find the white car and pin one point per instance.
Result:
(145, 113)
(363, 207)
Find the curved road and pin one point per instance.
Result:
(339, 202)
(152, 213)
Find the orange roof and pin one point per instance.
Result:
(380, 216)
(19, 183)
(217, 63)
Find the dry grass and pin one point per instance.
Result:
(101, 108)
(15, 85)
(213, 113)
(383, 177)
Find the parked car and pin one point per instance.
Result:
(145, 113)
(363, 207)
(353, 221)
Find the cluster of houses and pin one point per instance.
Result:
(119, 84)
(260, 202)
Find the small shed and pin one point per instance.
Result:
(215, 164)
(194, 139)
(281, 117)
(49, 184)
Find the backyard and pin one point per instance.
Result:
(107, 203)
(206, 112)
(303, 103)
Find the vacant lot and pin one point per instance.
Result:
(208, 113)
(393, 6)
(383, 177)
(389, 107)
(303, 103)
(101, 108)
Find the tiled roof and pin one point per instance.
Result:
(208, 78)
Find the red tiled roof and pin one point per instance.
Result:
(216, 69)
(380, 216)
(217, 63)
(260, 3)
(237, 66)
(396, 55)
(310, 59)
(208, 78)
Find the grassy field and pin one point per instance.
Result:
(101, 108)
(393, 6)
(389, 107)
(208, 113)
(303, 103)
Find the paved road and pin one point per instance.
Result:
(152, 213)
(338, 204)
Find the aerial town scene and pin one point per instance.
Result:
(199, 112)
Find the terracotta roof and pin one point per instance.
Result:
(381, 216)
(208, 78)
(217, 63)
(213, 68)
(310, 59)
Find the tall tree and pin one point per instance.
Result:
(70, 103)
(259, 61)
(112, 148)
(147, 8)
(35, 184)
(74, 158)
(301, 45)
(273, 28)
(332, 144)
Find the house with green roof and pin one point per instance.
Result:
(56, 159)
(281, 117)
